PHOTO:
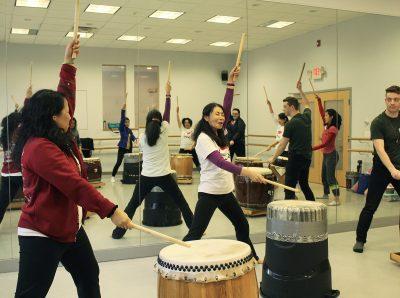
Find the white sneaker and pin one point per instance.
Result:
(333, 203)
(112, 179)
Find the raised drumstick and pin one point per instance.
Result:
(30, 73)
(312, 87)
(302, 70)
(239, 56)
(266, 95)
(76, 23)
(177, 101)
(169, 71)
(160, 235)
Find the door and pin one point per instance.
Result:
(340, 101)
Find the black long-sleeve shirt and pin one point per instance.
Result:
(236, 131)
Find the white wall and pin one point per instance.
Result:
(195, 79)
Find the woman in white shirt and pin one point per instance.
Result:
(280, 122)
(187, 144)
(216, 174)
(156, 169)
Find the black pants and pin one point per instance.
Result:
(297, 170)
(9, 188)
(239, 149)
(229, 206)
(169, 186)
(193, 153)
(120, 158)
(379, 180)
(39, 259)
(328, 174)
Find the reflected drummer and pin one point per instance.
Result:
(126, 141)
(216, 179)
(298, 134)
(187, 144)
(156, 170)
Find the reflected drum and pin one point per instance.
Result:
(132, 168)
(183, 165)
(160, 209)
(212, 268)
(93, 169)
(252, 194)
(296, 259)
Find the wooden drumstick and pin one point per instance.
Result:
(169, 71)
(282, 185)
(302, 70)
(239, 56)
(177, 101)
(30, 73)
(312, 87)
(160, 235)
(266, 95)
(76, 23)
(13, 99)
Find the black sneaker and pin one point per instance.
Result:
(118, 233)
(358, 247)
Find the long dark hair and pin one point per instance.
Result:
(336, 118)
(153, 127)
(37, 121)
(204, 126)
(9, 124)
(283, 117)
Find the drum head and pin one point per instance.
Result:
(206, 261)
(249, 158)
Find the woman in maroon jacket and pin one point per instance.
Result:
(56, 192)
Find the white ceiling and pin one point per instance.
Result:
(132, 19)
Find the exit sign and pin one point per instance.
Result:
(318, 72)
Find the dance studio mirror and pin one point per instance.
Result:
(350, 58)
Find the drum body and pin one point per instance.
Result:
(296, 260)
(132, 168)
(212, 268)
(160, 209)
(255, 195)
(93, 168)
(183, 165)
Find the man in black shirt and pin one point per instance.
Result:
(236, 134)
(298, 134)
(385, 134)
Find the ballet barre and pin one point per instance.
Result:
(261, 136)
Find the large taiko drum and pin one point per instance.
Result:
(93, 168)
(296, 259)
(248, 162)
(212, 268)
(182, 163)
(252, 194)
(132, 168)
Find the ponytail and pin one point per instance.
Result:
(153, 127)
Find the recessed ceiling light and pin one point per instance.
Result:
(163, 14)
(33, 3)
(81, 34)
(19, 31)
(102, 8)
(221, 44)
(279, 24)
(178, 41)
(223, 19)
(131, 38)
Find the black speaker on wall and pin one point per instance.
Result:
(224, 75)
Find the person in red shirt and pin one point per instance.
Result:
(332, 122)
(57, 193)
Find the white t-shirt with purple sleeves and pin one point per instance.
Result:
(213, 180)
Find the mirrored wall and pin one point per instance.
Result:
(128, 55)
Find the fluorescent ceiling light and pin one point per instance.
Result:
(33, 3)
(102, 8)
(81, 34)
(221, 44)
(223, 19)
(279, 24)
(149, 68)
(170, 15)
(131, 38)
(19, 31)
(178, 41)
